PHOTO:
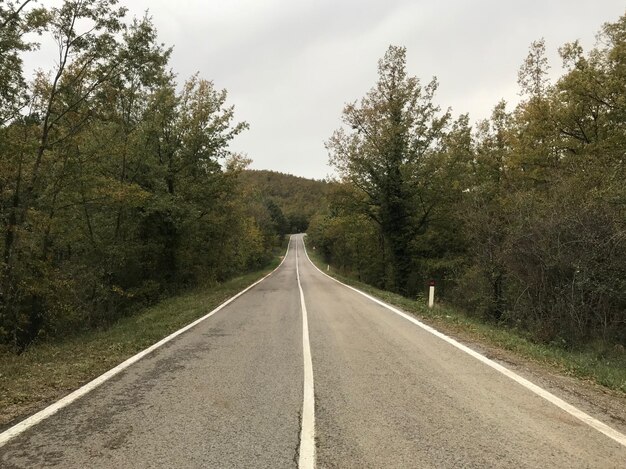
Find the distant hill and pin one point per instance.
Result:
(297, 198)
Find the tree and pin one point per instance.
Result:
(17, 20)
(36, 162)
(532, 75)
(484, 216)
(384, 152)
(298, 198)
(115, 187)
(525, 217)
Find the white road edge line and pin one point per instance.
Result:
(306, 458)
(548, 396)
(80, 392)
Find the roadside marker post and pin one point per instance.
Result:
(431, 293)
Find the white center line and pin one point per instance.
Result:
(307, 433)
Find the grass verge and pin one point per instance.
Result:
(606, 368)
(47, 371)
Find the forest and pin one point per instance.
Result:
(117, 184)
(292, 201)
(520, 218)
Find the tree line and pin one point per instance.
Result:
(291, 200)
(521, 218)
(117, 185)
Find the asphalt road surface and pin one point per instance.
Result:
(229, 393)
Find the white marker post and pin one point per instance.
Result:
(328, 268)
(431, 293)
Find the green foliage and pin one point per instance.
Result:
(392, 146)
(16, 22)
(116, 188)
(522, 219)
(293, 200)
(347, 239)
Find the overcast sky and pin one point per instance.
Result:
(290, 65)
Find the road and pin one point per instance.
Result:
(229, 393)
